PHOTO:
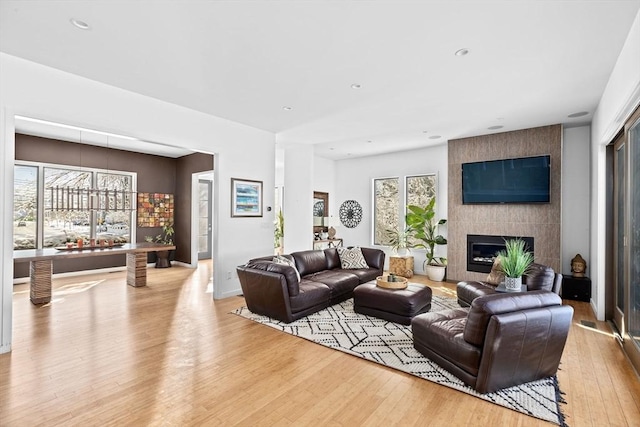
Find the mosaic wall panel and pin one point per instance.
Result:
(155, 209)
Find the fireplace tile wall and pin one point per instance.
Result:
(542, 222)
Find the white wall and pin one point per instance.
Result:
(298, 197)
(354, 180)
(620, 97)
(324, 179)
(33, 90)
(576, 195)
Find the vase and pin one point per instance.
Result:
(401, 252)
(513, 284)
(435, 272)
(163, 259)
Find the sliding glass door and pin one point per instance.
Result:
(633, 290)
(620, 238)
(626, 211)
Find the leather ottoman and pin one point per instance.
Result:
(395, 305)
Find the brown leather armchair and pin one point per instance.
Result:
(539, 277)
(500, 341)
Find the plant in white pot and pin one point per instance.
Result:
(423, 228)
(515, 262)
(398, 241)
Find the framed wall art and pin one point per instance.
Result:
(155, 209)
(246, 198)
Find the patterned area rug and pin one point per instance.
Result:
(391, 344)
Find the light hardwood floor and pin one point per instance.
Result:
(104, 353)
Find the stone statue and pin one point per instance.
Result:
(578, 266)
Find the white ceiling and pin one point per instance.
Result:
(531, 63)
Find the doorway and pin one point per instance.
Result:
(205, 209)
(626, 236)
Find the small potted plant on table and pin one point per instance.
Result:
(515, 262)
(163, 258)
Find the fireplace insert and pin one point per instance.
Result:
(482, 250)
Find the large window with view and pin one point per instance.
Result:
(57, 204)
(25, 207)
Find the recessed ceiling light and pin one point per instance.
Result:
(434, 137)
(425, 131)
(79, 24)
(355, 86)
(369, 141)
(495, 127)
(462, 52)
(285, 108)
(579, 114)
(331, 149)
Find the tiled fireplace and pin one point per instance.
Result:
(539, 221)
(482, 250)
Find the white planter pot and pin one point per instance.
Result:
(513, 284)
(435, 272)
(402, 252)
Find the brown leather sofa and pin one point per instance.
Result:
(539, 277)
(500, 341)
(274, 290)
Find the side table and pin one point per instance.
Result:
(401, 266)
(502, 289)
(327, 243)
(576, 288)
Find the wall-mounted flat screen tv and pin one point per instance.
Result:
(522, 180)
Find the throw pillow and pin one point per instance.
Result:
(352, 259)
(496, 276)
(279, 259)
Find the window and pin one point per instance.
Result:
(420, 189)
(114, 221)
(63, 219)
(388, 217)
(75, 204)
(386, 208)
(25, 207)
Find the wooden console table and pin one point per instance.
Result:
(329, 243)
(41, 268)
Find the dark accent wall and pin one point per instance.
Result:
(187, 166)
(540, 221)
(155, 174)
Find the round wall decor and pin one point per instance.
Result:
(318, 208)
(350, 213)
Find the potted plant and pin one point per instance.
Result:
(163, 258)
(278, 233)
(515, 261)
(398, 241)
(423, 228)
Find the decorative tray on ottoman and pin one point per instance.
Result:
(399, 283)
